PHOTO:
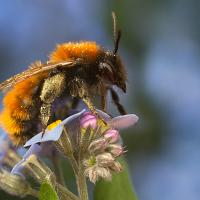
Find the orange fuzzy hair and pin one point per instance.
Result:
(88, 51)
(16, 107)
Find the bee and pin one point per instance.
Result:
(81, 70)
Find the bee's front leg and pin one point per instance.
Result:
(89, 104)
(80, 89)
(103, 94)
(115, 99)
(92, 108)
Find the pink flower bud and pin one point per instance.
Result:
(116, 150)
(112, 135)
(88, 120)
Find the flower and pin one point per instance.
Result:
(95, 172)
(98, 145)
(112, 135)
(52, 134)
(12, 183)
(88, 139)
(88, 120)
(106, 147)
(30, 163)
(119, 122)
(115, 149)
(35, 149)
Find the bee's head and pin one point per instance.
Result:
(112, 69)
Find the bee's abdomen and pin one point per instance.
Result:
(88, 51)
(19, 109)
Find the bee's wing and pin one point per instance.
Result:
(34, 69)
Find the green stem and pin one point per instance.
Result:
(65, 193)
(82, 186)
(74, 164)
(80, 179)
(57, 169)
(33, 193)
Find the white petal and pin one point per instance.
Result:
(18, 168)
(104, 115)
(35, 139)
(34, 149)
(123, 121)
(52, 135)
(72, 117)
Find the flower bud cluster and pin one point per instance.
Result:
(15, 185)
(90, 141)
(100, 159)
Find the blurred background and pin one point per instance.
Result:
(160, 47)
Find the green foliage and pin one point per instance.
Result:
(119, 188)
(47, 192)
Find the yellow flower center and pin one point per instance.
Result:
(53, 125)
(92, 161)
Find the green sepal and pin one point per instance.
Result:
(47, 192)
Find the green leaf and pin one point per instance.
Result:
(47, 192)
(120, 188)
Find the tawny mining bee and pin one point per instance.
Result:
(80, 70)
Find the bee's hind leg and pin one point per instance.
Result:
(45, 112)
(51, 89)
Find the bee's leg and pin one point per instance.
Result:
(79, 88)
(103, 102)
(115, 99)
(45, 112)
(51, 89)
(92, 108)
(103, 93)
(89, 104)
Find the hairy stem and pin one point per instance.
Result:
(57, 169)
(65, 193)
(80, 178)
(82, 185)
(34, 193)
(74, 164)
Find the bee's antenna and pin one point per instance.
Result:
(116, 34)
